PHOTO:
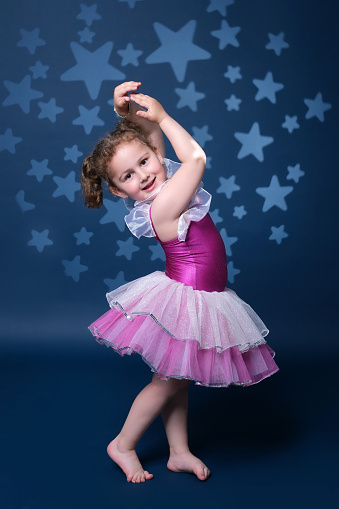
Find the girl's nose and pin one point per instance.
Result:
(143, 175)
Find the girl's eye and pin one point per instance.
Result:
(128, 176)
(143, 162)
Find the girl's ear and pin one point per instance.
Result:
(114, 190)
(159, 156)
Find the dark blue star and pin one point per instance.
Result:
(294, 173)
(177, 48)
(115, 213)
(228, 186)
(219, 5)
(232, 272)
(30, 40)
(88, 118)
(86, 35)
(291, 123)
(83, 236)
(274, 194)
(233, 74)
(86, 62)
(253, 143)
(73, 268)
(278, 234)
(233, 103)
(317, 107)
(39, 70)
(239, 212)
(189, 96)
(39, 169)
(277, 43)
(72, 154)
(226, 35)
(8, 141)
(267, 88)
(126, 248)
(40, 240)
(66, 186)
(21, 94)
(157, 252)
(49, 110)
(130, 55)
(201, 135)
(113, 284)
(228, 241)
(23, 204)
(131, 3)
(88, 14)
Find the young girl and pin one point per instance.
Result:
(184, 323)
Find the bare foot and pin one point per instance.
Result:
(128, 461)
(187, 462)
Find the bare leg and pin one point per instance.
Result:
(174, 415)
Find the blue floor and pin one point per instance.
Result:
(271, 445)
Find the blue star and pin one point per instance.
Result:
(126, 248)
(228, 241)
(317, 107)
(189, 96)
(8, 141)
(239, 212)
(208, 162)
(115, 213)
(88, 14)
(24, 205)
(157, 252)
(73, 268)
(131, 3)
(30, 40)
(216, 217)
(49, 110)
(233, 74)
(83, 236)
(277, 43)
(278, 234)
(294, 173)
(21, 94)
(113, 284)
(219, 5)
(130, 55)
(88, 118)
(233, 103)
(40, 240)
(253, 143)
(267, 88)
(232, 272)
(177, 48)
(274, 194)
(291, 123)
(228, 186)
(86, 62)
(66, 186)
(39, 169)
(226, 35)
(201, 135)
(72, 154)
(39, 70)
(86, 35)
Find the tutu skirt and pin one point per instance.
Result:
(212, 338)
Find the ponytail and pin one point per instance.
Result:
(91, 185)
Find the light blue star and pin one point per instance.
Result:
(228, 186)
(23, 204)
(157, 252)
(49, 110)
(66, 186)
(39, 70)
(72, 154)
(177, 48)
(115, 213)
(131, 3)
(88, 14)
(226, 35)
(267, 88)
(113, 284)
(189, 96)
(8, 141)
(216, 217)
(126, 248)
(86, 35)
(40, 240)
(233, 74)
(239, 212)
(86, 62)
(88, 118)
(83, 236)
(232, 272)
(208, 162)
(278, 234)
(277, 43)
(219, 5)
(290, 123)
(294, 173)
(233, 103)
(130, 55)
(201, 135)
(39, 169)
(73, 268)
(21, 94)
(228, 241)
(317, 107)
(30, 40)
(253, 143)
(274, 194)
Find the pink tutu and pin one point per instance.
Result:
(212, 338)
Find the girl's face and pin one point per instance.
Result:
(136, 171)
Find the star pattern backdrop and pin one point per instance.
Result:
(252, 81)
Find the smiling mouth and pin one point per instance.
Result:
(148, 186)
